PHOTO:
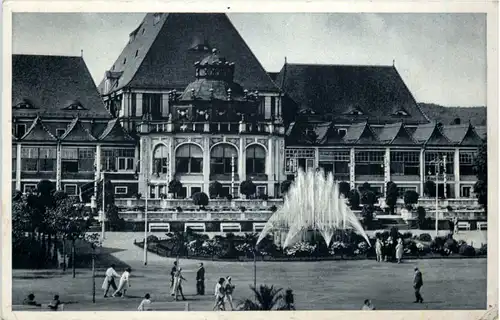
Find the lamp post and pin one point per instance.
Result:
(438, 162)
(232, 176)
(103, 216)
(146, 223)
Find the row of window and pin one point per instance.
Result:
(156, 192)
(73, 190)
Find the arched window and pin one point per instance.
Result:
(221, 159)
(189, 159)
(160, 159)
(256, 159)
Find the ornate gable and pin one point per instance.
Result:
(77, 132)
(38, 132)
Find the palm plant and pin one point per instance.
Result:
(266, 298)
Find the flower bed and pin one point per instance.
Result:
(344, 247)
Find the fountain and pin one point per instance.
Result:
(313, 204)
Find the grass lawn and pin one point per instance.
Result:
(330, 285)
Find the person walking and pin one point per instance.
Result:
(109, 280)
(124, 283)
(417, 284)
(455, 225)
(172, 276)
(368, 305)
(378, 249)
(178, 278)
(200, 280)
(145, 303)
(399, 250)
(228, 290)
(289, 300)
(219, 295)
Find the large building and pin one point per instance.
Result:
(187, 99)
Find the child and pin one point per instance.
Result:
(30, 300)
(124, 283)
(145, 303)
(54, 304)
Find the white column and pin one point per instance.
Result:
(58, 167)
(387, 168)
(18, 167)
(270, 163)
(267, 107)
(352, 174)
(138, 107)
(422, 171)
(165, 108)
(242, 173)
(206, 164)
(144, 164)
(456, 171)
(171, 159)
(124, 112)
(97, 175)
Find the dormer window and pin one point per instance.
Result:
(75, 106)
(60, 132)
(401, 113)
(341, 132)
(157, 17)
(355, 113)
(124, 60)
(25, 104)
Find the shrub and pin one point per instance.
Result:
(430, 188)
(483, 251)
(391, 196)
(200, 199)
(368, 197)
(248, 188)
(301, 249)
(425, 237)
(411, 198)
(451, 245)
(273, 208)
(467, 251)
(174, 186)
(264, 197)
(229, 197)
(214, 190)
(285, 186)
(344, 188)
(367, 214)
(407, 235)
(421, 217)
(152, 239)
(354, 199)
(243, 209)
(179, 209)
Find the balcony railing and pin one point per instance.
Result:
(187, 204)
(201, 127)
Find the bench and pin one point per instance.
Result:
(230, 227)
(258, 226)
(482, 225)
(44, 307)
(463, 225)
(159, 226)
(200, 227)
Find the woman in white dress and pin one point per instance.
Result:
(178, 278)
(378, 250)
(399, 250)
(124, 283)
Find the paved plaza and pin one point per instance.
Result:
(330, 285)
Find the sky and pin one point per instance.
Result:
(441, 57)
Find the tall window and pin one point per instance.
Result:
(133, 105)
(14, 158)
(221, 159)
(160, 159)
(369, 162)
(298, 158)
(151, 103)
(405, 163)
(256, 159)
(114, 159)
(273, 107)
(86, 159)
(35, 159)
(466, 163)
(334, 161)
(69, 159)
(430, 167)
(189, 159)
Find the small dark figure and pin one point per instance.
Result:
(451, 224)
(54, 304)
(368, 305)
(417, 284)
(200, 280)
(30, 301)
(289, 303)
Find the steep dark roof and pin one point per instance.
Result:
(53, 83)
(76, 131)
(446, 115)
(38, 132)
(376, 91)
(115, 132)
(163, 55)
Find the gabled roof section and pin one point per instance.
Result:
(431, 134)
(462, 134)
(38, 132)
(395, 133)
(161, 54)
(481, 131)
(333, 89)
(77, 132)
(114, 132)
(361, 133)
(51, 84)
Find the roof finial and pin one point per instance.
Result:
(81, 53)
(285, 59)
(393, 62)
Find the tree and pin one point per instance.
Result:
(285, 186)
(175, 186)
(248, 188)
(421, 217)
(115, 222)
(215, 189)
(109, 192)
(266, 298)
(200, 199)
(16, 195)
(411, 198)
(354, 199)
(481, 169)
(391, 196)
(367, 213)
(94, 240)
(344, 188)
(430, 188)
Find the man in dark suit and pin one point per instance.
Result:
(417, 284)
(200, 280)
